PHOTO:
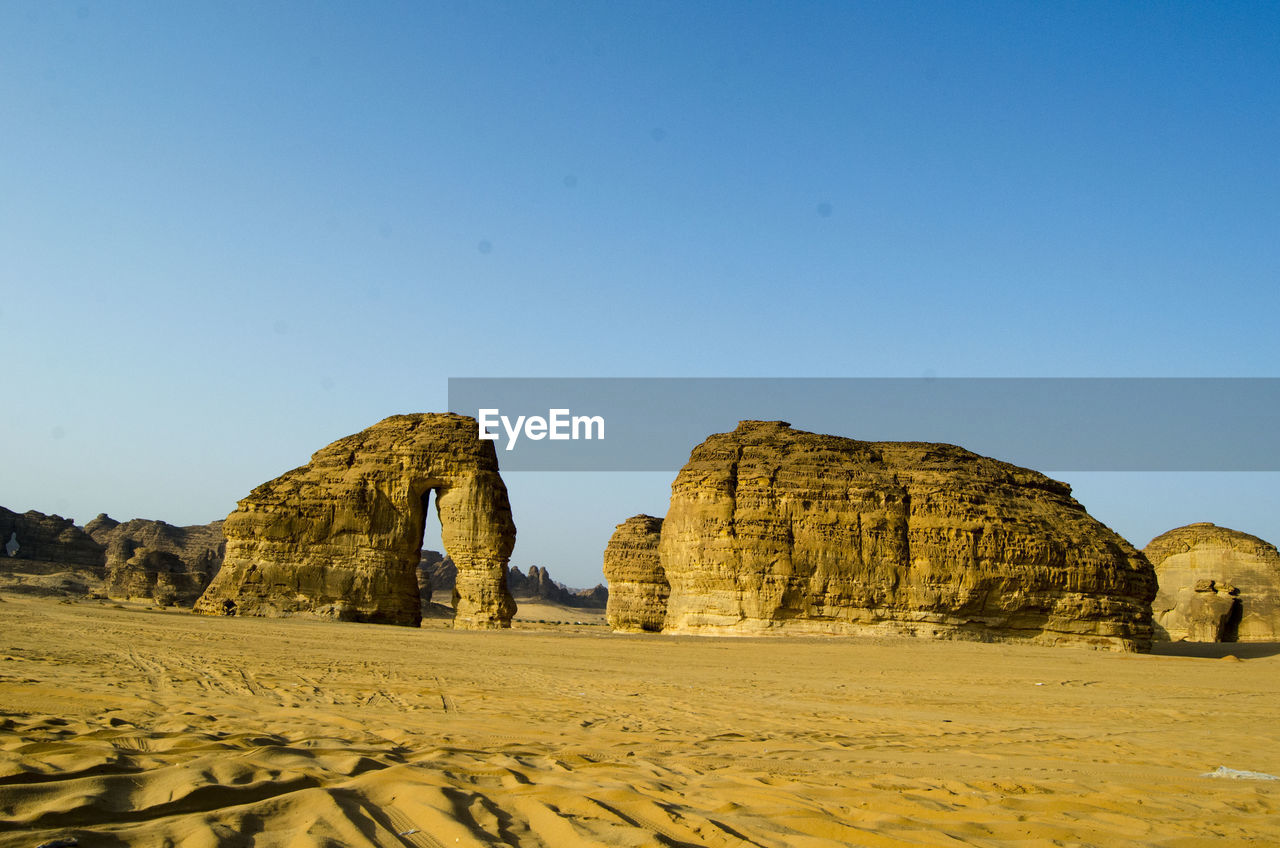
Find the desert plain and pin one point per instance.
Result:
(125, 725)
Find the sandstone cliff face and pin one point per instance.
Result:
(1216, 585)
(773, 528)
(638, 586)
(341, 536)
(156, 560)
(536, 584)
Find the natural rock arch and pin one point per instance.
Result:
(341, 536)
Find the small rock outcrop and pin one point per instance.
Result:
(638, 586)
(1216, 585)
(341, 537)
(101, 526)
(775, 529)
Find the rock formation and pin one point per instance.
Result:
(531, 585)
(436, 573)
(157, 575)
(772, 528)
(538, 585)
(156, 560)
(39, 540)
(48, 555)
(597, 597)
(341, 536)
(100, 559)
(1216, 585)
(638, 586)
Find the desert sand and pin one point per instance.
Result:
(122, 725)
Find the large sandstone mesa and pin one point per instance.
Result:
(638, 586)
(1216, 585)
(341, 536)
(773, 528)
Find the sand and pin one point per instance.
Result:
(126, 726)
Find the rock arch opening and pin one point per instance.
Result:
(435, 570)
(1231, 625)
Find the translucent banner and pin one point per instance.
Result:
(1050, 424)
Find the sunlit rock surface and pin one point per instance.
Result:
(341, 536)
(1216, 585)
(638, 586)
(772, 529)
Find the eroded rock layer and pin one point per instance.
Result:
(341, 536)
(774, 528)
(1216, 585)
(638, 587)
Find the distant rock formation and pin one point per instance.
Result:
(48, 555)
(538, 585)
(597, 597)
(436, 573)
(638, 586)
(155, 559)
(775, 529)
(1216, 585)
(341, 536)
(532, 585)
(139, 559)
(38, 541)
(158, 575)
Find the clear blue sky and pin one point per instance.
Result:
(233, 232)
